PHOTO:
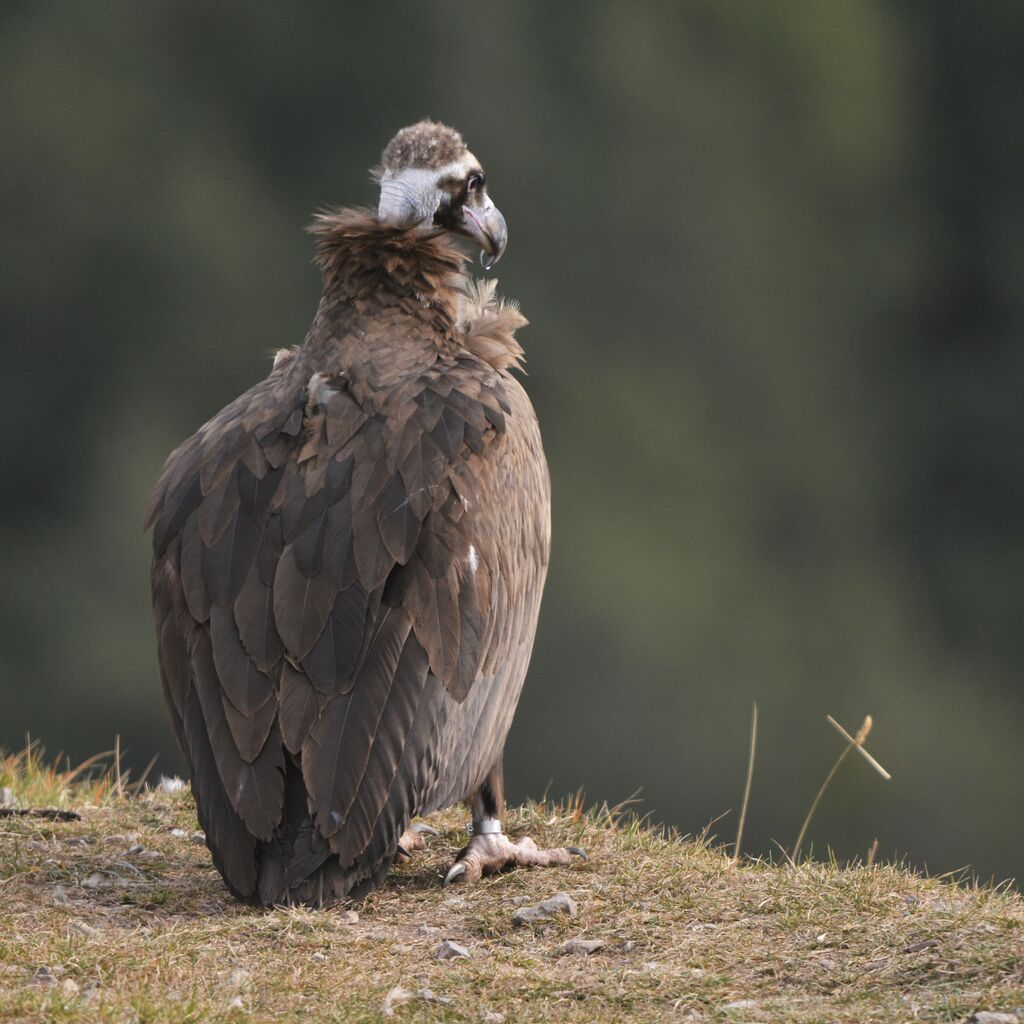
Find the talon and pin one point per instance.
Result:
(578, 851)
(455, 871)
(427, 830)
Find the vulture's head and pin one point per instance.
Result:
(428, 178)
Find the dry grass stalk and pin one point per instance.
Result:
(746, 788)
(854, 743)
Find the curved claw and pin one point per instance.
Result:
(427, 830)
(578, 851)
(455, 871)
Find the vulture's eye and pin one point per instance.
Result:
(475, 182)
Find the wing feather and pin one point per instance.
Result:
(343, 563)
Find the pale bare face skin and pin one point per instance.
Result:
(452, 196)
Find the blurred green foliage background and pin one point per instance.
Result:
(772, 255)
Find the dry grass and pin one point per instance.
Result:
(120, 917)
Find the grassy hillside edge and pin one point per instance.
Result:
(119, 916)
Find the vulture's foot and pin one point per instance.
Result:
(412, 840)
(491, 852)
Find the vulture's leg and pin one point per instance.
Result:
(412, 840)
(490, 850)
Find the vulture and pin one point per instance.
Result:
(348, 559)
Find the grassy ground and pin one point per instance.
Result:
(120, 917)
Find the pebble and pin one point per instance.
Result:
(988, 1017)
(95, 881)
(740, 1004)
(396, 996)
(348, 917)
(46, 977)
(492, 1017)
(917, 947)
(449, 950)
(580, 947)
(117, 840)
(171, 785)
(69, 988)
(240, 978)
(137, 848)
(560, 904)
(399, 996)
(319, 958)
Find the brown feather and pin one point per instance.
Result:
(254, 614)
(193, 583)
(227, 562)
(256, 790)
(300, 704)
(335, 754)
(301, 605)
(244, 684)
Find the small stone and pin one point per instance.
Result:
(170, 785)
(560, 904)
(429, 996)
(580, 947)
(989, 1017)
(519, 901)
(236, 1003)
(917, 947)
(319, 958)
(78, 841)
(740, 1004)
(150, 855)
(348, 917)
(429, 929)
(396, 997)
(118, 840)
(240, 978)
(46, 977)
(492, 1017)
(137, 848)
(6, 796)
(95, 881)
(69, 988)
(449, 950)
(177, 833)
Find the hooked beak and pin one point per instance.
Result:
(486, 226)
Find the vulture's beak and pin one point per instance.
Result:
(486, 226)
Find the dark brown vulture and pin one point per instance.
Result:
(349, 558)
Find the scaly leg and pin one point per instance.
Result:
(490, 850)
